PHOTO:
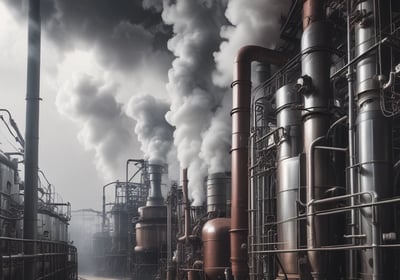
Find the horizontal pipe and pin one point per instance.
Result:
(322, 249)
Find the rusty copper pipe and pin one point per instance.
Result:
(186, 202)
(313, 10)
(240, 134)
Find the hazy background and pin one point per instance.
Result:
(131, 79)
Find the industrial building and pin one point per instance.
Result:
(313, 191)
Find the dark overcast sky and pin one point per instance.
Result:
(101, 59)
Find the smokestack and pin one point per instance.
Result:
(32, 137)
(218, 194)
(240, 134)
(185, 190)
(155, 197)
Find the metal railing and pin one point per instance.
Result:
(53, 260)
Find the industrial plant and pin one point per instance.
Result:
(313, 192)
(34, 219)
(55, 257)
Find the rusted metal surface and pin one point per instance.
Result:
(313, 10)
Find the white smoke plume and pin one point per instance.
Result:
(194, 98)
(217, 139)
(152, 130)
(255, 22)
(104, 127)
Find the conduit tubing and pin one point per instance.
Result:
(240, 136)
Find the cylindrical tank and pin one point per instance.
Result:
(374, 145)
(216, 244)
(218, 193)
(155, 196)
(317, 97)
(288, 118)
(120, 233)
(151, 229)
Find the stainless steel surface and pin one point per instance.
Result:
(352, 257)
(315, 64)
(373, 144)
(288, 184)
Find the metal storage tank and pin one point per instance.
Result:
(151, 232)
(120, 233)
(218, 193)
(216, 243)
(151, 228)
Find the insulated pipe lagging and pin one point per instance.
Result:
(240, 136)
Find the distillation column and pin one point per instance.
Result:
(289, 148)
(374, 147)
(315, 86)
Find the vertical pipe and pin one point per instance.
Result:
(240, 135)
(103, 214)
(316, 120)
(186, 203)
(351, 271)
(32, 136)
(169, 228)
(258, 99)
(373, 134)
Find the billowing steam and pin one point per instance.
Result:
(129, 38)
(217, 139)
(255, 22)
(104, 127)
(125, 35)
(194, 98)
(152, 130)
